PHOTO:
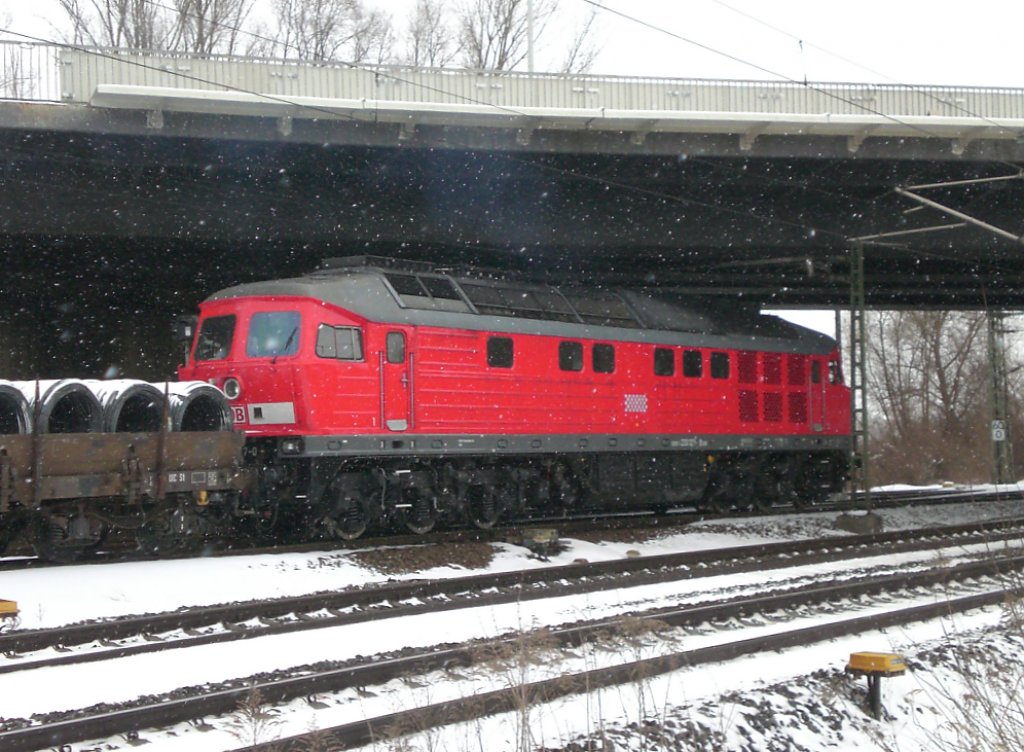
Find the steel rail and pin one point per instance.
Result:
(643, 570)
(169, 710)
(401, 723)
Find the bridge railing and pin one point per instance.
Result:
(29, 71)
(43, 72)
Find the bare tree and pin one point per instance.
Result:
(205, 27)
(137, 24)
(583, 49)
(928, 380)
(431, 40)
(494, 34)
(333, 30)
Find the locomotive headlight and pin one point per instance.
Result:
(291, 446)
(232, 389)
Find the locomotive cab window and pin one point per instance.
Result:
(602, 358)
(693, 364)
(835, 372)
(570, 356)
(214, 341)
(273, 334)
(815, 371)
(719, 365)
(339, 342)
(664, 362)
(499, 352)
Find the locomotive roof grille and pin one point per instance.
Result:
(491, 298)
(345, 263)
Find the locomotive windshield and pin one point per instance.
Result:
(214, 341)
(273, 334)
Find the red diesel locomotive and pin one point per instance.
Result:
(373, 392)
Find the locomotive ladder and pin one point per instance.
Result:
(860, 486)
(1001, 448)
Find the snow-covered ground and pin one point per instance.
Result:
(799, 695)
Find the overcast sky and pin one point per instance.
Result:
(902, 41)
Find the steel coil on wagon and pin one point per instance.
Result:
(15, 412)
(64, 406)
(129, 405)
(197, 406)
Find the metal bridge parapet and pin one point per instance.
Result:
(48, 72)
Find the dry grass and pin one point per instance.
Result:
(411, 559)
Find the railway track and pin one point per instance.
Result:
(25, 559)
(286, 615)
(410, 597)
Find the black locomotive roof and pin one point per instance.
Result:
(420, 296)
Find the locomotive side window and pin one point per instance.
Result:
(815, 371)
(395, 346)
(602, 357)
(499, 352)
(719, 365)
(273, 334)
(570, 356)
(693, 364)
(214, 340)
(664, 361)
(835, 372)
(340, 342)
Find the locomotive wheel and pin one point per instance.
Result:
(808, 490)
(347, 508)
(718, 495)
(484, 507)
(65, 539)
(349, 520)
(421, 514)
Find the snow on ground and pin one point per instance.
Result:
(732, 706)
(52, 597)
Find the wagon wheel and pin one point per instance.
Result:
(65, 539)
(421, 514)
(169, 531)
(11, 526)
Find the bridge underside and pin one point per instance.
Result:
(137, 225)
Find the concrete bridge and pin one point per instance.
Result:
(168, 176)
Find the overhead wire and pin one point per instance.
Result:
(769, 71)
(659, 29)
(924, 90)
